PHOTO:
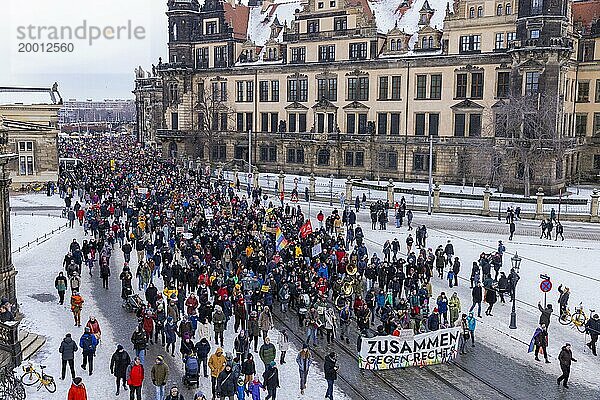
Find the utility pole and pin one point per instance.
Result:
(249, 157)
(430, 174)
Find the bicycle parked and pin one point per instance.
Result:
(577, 318)
(32, 376)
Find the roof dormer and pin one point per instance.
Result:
(425, 14)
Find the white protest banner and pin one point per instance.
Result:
(142, 190)
(316, 250)
(208, 213)
(389, 352)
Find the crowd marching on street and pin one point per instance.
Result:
(202, 257)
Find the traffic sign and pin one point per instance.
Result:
(546, 286)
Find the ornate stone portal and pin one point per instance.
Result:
(9, 341)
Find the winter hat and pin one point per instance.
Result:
(87, 329)
(272, 363)
(435, 310)
(119, 347)
(77, 381)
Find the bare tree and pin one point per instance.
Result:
(530, 129)
(213, 115)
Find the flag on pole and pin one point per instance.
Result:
(306, 229)
(280, 241)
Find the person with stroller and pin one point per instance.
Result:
(192, 371)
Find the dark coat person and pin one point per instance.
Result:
(67, 349)
(119, 362)
(565, 357)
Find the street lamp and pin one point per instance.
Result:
(331, 190)
(500, 188)
(514, 274)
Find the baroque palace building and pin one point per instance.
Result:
(357, 88)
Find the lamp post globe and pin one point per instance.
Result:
(516, 264)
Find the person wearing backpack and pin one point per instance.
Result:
(88, 343)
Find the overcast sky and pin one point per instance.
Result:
(104, 69)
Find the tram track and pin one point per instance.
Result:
(351, 383)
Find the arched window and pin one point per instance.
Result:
(393, 45)
(424, 43)
(430, 44)
(479, 12)
(173, 150)
(323, 157)
(174, 31)
(499, 9)
(508, 9)
(270, 53)
(472, 12)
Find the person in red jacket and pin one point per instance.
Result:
(135, 378)
(77, 390)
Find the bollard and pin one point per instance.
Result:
(390, 192)
(436, 196)
(594, 206)
(349, 190)
(486, 200)
(539, 206)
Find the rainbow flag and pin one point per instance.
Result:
(280, 241)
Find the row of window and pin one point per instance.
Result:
(326, 53)
(428, 87)
(352, 158)
(501, 9)
(583, 91)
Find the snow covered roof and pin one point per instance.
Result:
(29, 95)
(261, 18)
(388, 14)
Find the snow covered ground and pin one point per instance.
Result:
(35, 200)
(27, 228)
(37, 267)
(570, 263)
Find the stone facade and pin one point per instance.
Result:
(32, 134)
(331, 90)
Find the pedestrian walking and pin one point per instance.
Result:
(565, 357)
(67, 350)
(160, 376)
(135, 379)
(226, 383)
(77, 391)
(202, 349)
(539, 341)
(60, 283)
(216, 363)
(76, 307)
(140, 342)
(304, 360)
(331, 368)
(592, 328)
(88, 343)
(174, 394)
(471, 323)
(477, 294)
(119, 362)
(283, 343)
(267, 352)
(271, 381)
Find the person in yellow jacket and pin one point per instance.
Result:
(454, 305)
(216, 363)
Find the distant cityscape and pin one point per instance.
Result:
(109, 111)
